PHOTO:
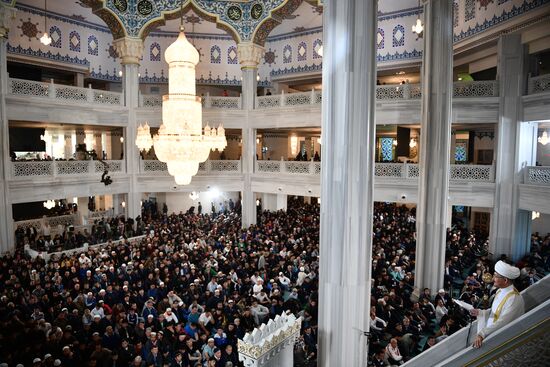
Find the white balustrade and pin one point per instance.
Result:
(150, 100)
(537, 175)
(539, 84)
(290, 167)
(459, 172)
(226, 103)
(289, 99)
(22, 87)
(272, 344)
(154, 167)
(53, 222)
(484, 88)
(472, 172)
(44, 169)
(393, 92)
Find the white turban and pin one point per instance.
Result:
(508, 271)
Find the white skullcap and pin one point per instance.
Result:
(507, 271)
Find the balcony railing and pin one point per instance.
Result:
(537, 175)
(290, 167)
(59, 92)
(539, 84)
(53, 222)
(154, 167)
(208, 101)
(42, 169)
(459, 172)
(395, 92)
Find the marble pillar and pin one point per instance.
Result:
(249, 55)
(130, 50)
(435, 138)
(7, 238)
(506, 222)
(282, 202)
(248, 159)
(347, 177)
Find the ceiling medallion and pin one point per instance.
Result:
(234, 13)
(121, 5)
(145, 7)
(256, 11)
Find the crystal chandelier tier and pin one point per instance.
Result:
(181, 142)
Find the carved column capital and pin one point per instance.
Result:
(249, 54)
(7, 15)
(129, 49)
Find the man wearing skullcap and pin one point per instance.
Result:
(507, 304)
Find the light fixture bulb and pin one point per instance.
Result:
(535, 215)
(418, 28)
(544, 138)
(45, 39)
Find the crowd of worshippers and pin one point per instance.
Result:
(67, 237)
(403, 321)
(182, 296)
(197, 283)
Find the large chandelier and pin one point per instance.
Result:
(180, 141)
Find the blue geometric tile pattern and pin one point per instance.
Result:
(398, 36)
(526, 6)
(215, 55)
(287, 54)
(455, 13)
(55, 34)
(46, 55)
(316, 44)
(232, 56)
(302, 51)
(154, 52)
(469, 10)
(93, 45)
(386, 149)
(461, 152)
(74, 41)
(380, 39)
(243, 17)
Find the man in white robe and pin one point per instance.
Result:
(507, 304)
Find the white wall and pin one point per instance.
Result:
(180, 201)
(541, 224)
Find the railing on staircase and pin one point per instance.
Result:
(459, 343)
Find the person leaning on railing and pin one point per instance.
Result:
(507, 304)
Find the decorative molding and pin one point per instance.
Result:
(249, 54)
(527, 5)
(46, 55)
(296, 69)
(129, 49)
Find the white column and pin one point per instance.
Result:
(435, 144)
(511, 139)
(269, 202)
(130, 51)
(7, 239)
(248, 159)
(281, 202)
(348, 125)
(249, 55)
